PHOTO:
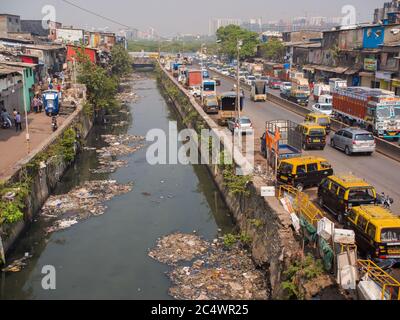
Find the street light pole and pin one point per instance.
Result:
(237, 80)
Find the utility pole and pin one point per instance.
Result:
(239, 44)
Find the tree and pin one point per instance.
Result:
(229, 36)
(121, 63)
(101, 87)
(273, 50)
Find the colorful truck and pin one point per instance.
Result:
(321, 89)
(194, 78)
(300, 91)
(376, 110)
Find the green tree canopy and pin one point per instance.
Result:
(273, 50)
(101, 87)
(229, 36)
(121, 62)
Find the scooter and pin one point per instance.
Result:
(385, 200)
(6, 123)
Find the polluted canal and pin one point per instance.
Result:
(104, 252)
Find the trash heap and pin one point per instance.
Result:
(109, 166)
(119, 145)
(80, 203)
(217, 273)
(17, 265)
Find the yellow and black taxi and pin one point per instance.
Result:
(303, 172)
(314, 135)
(340, 193)
(321, 119)
(377, 231)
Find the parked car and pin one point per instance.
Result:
(303, 172)
(324, 108)
(339, 194)
(243, 124)
(354, 140)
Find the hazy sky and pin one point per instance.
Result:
(169, 17)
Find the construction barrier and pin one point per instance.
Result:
(390, 286)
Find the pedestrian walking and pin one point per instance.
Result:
(35, 104)
(59, 91)
(40, 104)
(15, 116)
(18, 122)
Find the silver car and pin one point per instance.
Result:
(243, 124)
(354, 140)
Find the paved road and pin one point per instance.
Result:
(377, 169)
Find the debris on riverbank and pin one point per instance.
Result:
(81, 203)
(18, 264)
(219, 273)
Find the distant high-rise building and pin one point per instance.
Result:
(215, 24)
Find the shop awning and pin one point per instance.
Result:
(308, 68)
(352, 71)
(367, 74)
(338, 70)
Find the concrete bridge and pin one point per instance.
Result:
(144, 60)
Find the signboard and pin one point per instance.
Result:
(383, 75)
(70, 35)
(370, 64)
(267, 191)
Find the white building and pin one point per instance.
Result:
(215, 24)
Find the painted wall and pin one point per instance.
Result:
(373, 37)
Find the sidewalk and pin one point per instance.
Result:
(13, 146)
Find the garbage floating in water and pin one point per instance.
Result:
(81, 203)
(218, 273)
(109, 166)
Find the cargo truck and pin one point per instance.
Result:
(288, 140)
(175, 68)
(208, 87)
(336, 83)
(227, 106)
(300, 91)
(194, 78)
(259, 91)
(376, 110)
(321, 89)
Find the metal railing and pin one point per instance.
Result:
(390, 286)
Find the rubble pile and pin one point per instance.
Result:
(120, 124)
(127, 97)
(218, 273)
(81, 203)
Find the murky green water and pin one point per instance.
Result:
(106, 257)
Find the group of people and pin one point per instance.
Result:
(37, 104)
(6, 119)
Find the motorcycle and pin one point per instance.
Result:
(54, 125)
(385, 201)
(6, 123)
